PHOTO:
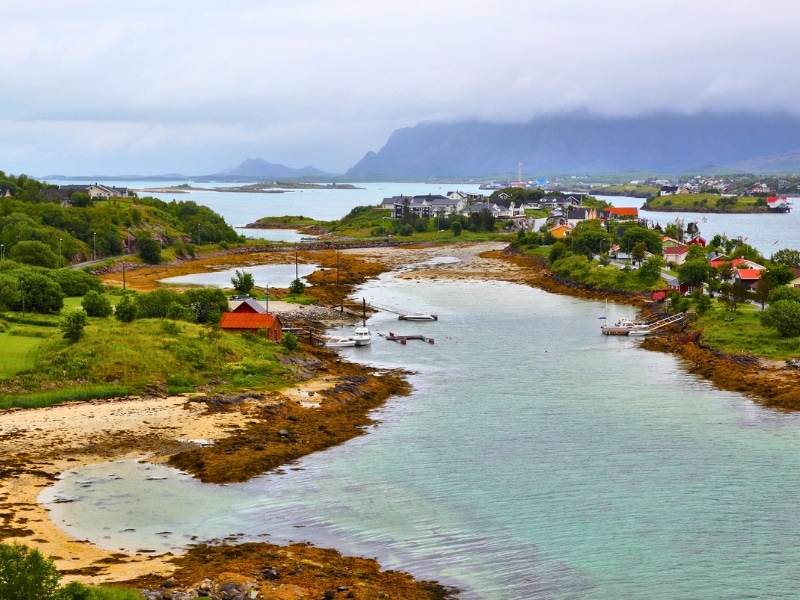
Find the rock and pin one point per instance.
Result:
(283, 433)
(329, 595)
(170, 583)
(271, 573)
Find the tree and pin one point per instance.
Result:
(790, 258)
(297, 287)
(25, 574)
(762, 291)
(34, 252)
(456, 228)
(650, 270)
(694, 272)
(290, 341)
(778, 274)
(639, 252)
(96, 305)
(72, 325)
(155, 304)
(207, 304)
(637, 234)
(557, 251)
(39, 293)
(149, 249)
(591, 242)
(125, 310)
(783, 315)
(9, 292)
(243, 282)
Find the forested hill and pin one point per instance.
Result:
(580, 144)
(43, 226)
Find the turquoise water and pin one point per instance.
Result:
(536, 458)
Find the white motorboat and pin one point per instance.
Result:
(340, 342)
(362, 336)
(420, 316)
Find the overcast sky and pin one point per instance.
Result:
(194, 87)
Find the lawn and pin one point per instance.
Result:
(18, 353)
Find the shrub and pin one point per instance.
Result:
(126, 309)
(25, 574)
(96, 305)
(290, 341)
(73, 324)
(297, 287)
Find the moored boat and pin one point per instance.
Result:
(340, 342)
(362, 336)
(420, 316)
(626, 327)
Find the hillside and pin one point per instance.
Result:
(580, 144)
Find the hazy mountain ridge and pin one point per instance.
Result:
(582, 144)
(258, 167)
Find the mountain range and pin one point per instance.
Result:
(581, 143)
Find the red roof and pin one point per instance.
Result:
(681, 249)
(231, 320)
(623, 211)
(749, 273)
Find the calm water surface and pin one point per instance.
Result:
(536, 458)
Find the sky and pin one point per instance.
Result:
(194, 87)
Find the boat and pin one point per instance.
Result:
(362, 336)
(340, 342)
(420, 316)
(402, 339)
(626, 327)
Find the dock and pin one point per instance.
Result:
(402, 339)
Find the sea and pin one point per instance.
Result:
(534, 459)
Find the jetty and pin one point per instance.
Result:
(402, 339)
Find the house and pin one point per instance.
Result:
(248, 305)
(621, 212)
(675, 254)
(561, 231)
(425, 205)
(668, 190)
(779, 204)
(749, 278)
(5, 192)
(576, 215)
(698, 241)
(561, 201)
(250, 322)
(676, 286)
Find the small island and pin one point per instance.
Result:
(262, 187)
(718, 203)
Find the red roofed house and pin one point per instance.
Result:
(747, 277)
(622, 212)
(251, 322)
(675, 254)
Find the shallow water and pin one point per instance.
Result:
(535, 458)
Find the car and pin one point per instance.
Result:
(239, 297)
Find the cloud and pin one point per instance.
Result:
(197, 87)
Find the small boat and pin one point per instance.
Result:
(420, 316)
(340, 342)
(626, 327)
(362, 336)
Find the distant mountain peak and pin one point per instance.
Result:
(258, 167)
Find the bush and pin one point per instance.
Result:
(290, 341)
(73, 324)
(126, 309)
(96, 305)
(25, 574)
(297, 287)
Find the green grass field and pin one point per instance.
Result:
(18, 351)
